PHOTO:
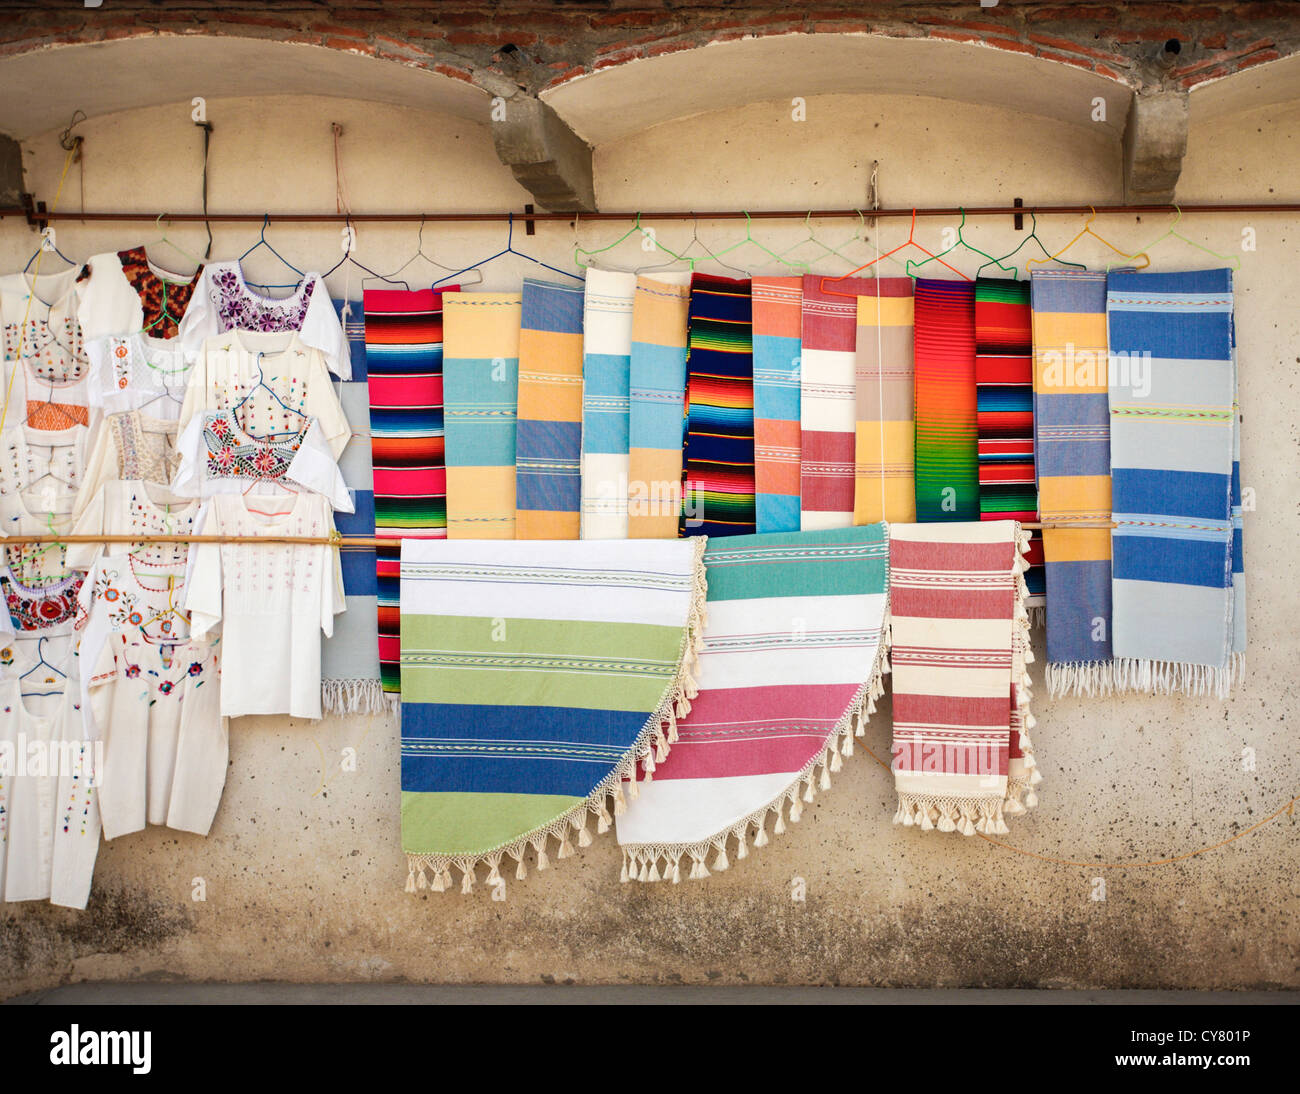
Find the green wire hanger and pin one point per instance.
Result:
(635, 229)
(1232, 260)
(913, 265)
(802, 267)
(163, 312)
(1032, 237)
(827, 249)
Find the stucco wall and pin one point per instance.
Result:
(305, 882)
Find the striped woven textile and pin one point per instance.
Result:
(718, 462)
(1172, 387)
(778, 323)
(885, 446)
(1072, 454)
(961, 755)
(947, 468)
(403, 364)
(1004, 393)
(606, 398)
(548, 432)
(776, 702)
(350, 678)
(481, 394)
(827, 400)
(657, 415)
(535, 675)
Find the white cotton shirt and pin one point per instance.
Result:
(130, 446)
(39, 317)
(272, 601)
(248, 371)
(218, 457)
(49, 837)
(111, 304)
(134, 371)
(224, 301)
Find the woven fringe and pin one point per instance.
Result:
(607, 800)
(663, 862)
(1178, 677)
(1090, 678)
(356, 697)
(987, 815)
(1037, 616)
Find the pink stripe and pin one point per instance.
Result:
(755, 731)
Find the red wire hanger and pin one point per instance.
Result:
(910, 241)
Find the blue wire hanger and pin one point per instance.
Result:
(261, 382)
(509, 250)
(52, 250)
(263, 242)
(42, 663)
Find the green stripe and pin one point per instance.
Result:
(835, 562)
(537, 662)
(470, 824)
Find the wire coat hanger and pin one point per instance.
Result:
(1032, 238)
(1087, 231)
(910, 241)
(509, 249)
(40, 661)
(262, 241)
(261, 383)
(1232, 260)
(802, 267)
(419, 253)
(961, 242)
(347, 257)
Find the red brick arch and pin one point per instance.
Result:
(561, 42)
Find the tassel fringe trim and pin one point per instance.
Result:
(987, 815)
(664, 862)
(1179, 677)
(607, 800)
(1131, 674)
(356, 697)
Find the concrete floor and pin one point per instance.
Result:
(507, 994)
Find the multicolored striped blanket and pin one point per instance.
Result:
(1072, 450)
(481, 393)
(403, 363)
(1173, 395)
(947, 470)
(1004, 392)
(535, 675)
(718, 462)
(606, 401)
(778, 303)
(885, 448)
(791, 667)
(657, 414)
(959, 631)
(827, 401)
(548, 430)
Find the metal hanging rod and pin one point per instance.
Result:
(351, 541)
(37, 216)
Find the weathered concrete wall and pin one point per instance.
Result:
(305, 883)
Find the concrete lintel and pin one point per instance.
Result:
(1155, 141)
(546, 156)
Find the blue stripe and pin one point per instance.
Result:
(1195, 494)
(611, 731)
